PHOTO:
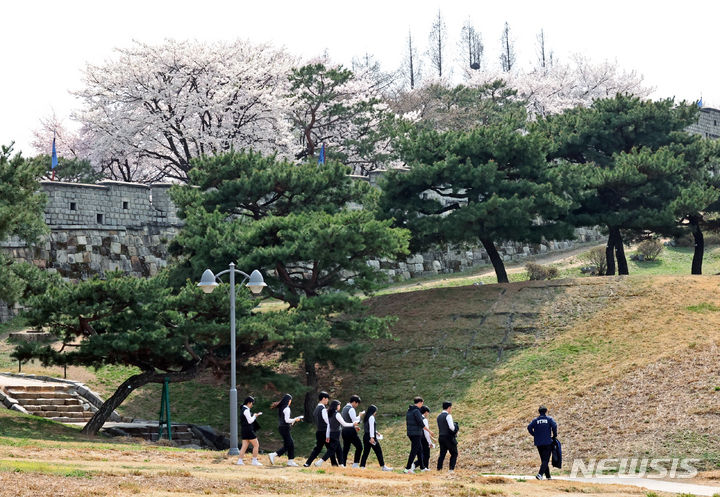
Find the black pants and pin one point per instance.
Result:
(350, 437)
(288, 443)
(366, 451)
(319, 444)
(424, 461)
(545, 452)
(447, 444)
(334, 451)
(416, 449)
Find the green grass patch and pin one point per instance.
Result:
(44, 468)
(703, 307)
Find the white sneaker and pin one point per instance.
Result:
(356, 465)
(255, 462)
(272, 457)
(341, 465)
(409, 471)
(426, 469)
(451, 471)
(292, 463)
(386, 468)
(240, 462)
(318, 463)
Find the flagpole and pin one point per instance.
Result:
(53, 160)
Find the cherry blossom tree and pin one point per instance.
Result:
(154, 108)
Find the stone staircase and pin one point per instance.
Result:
(182, 434)
(55, 402)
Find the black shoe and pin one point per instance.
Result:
(306, 465)
(548, 477)
(538, 476)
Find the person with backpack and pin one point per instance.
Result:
(415, 426)
(371, 440)
(447, 437)
(350, 435)
(544, 431)
(285, 422)
(248, 423)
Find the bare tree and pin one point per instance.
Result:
(545, 57)
(411, 63)
(436, 50)
(471, 48)
(507, 56)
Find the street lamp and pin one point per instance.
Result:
(255, 283)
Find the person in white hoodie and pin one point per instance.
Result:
(285, 422)
(247, 432)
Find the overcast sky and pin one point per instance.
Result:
(44, 45)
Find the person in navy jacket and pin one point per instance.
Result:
(544, 430)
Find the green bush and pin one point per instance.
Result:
(650, 249)
(538, 272)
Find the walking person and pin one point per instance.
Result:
(415, 427)
(447, 437)
(285, 422)
(320, 419)
(332, 433)
(371, 439)
(544, 431)
(248, 423)
(426, 442)
(350, 435)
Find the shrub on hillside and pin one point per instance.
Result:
(596, 259)
(650, 249)
(538, 272)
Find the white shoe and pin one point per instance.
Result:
(292, 463)
(272, 457)
(409, 471)
(341, 465)
(426, 469)
(451, 471)
(255, 462)
(356, 465)
(318, 463)
(412, 466)
(386, 468)
(240, 462)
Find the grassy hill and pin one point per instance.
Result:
(628, 367)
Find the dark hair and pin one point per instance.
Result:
(332, 407)
(446, 404)
(282, 403)
(355, 398)
(424, 409)
(418, 399)
(542, 410)
(248, 399)
(323, 395)
(372, 409)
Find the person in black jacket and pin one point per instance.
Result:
(285, 422)
(320, 419)
(447, 433)
(350, 435)
(415, 426)
(426, 442)
(247, 431)
(544, 430)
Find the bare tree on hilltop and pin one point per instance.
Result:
(507, 56)
(411, 64)
(471, 48)
(438, 40)
(545, 57)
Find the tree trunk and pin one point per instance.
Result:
(496, 260)
(622, 264)
(122, 392)
(699, 252)
(311, 381)
(610, 255)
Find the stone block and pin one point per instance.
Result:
(115, 247)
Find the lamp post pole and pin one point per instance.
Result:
(233, 387)
(255, 282)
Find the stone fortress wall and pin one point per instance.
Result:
(708, 125)
(116, 226)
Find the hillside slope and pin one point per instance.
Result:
(627, 366)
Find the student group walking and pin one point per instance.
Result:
(338, 433)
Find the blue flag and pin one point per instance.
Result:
(321, 157)
(54, 155)
(700, 102)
